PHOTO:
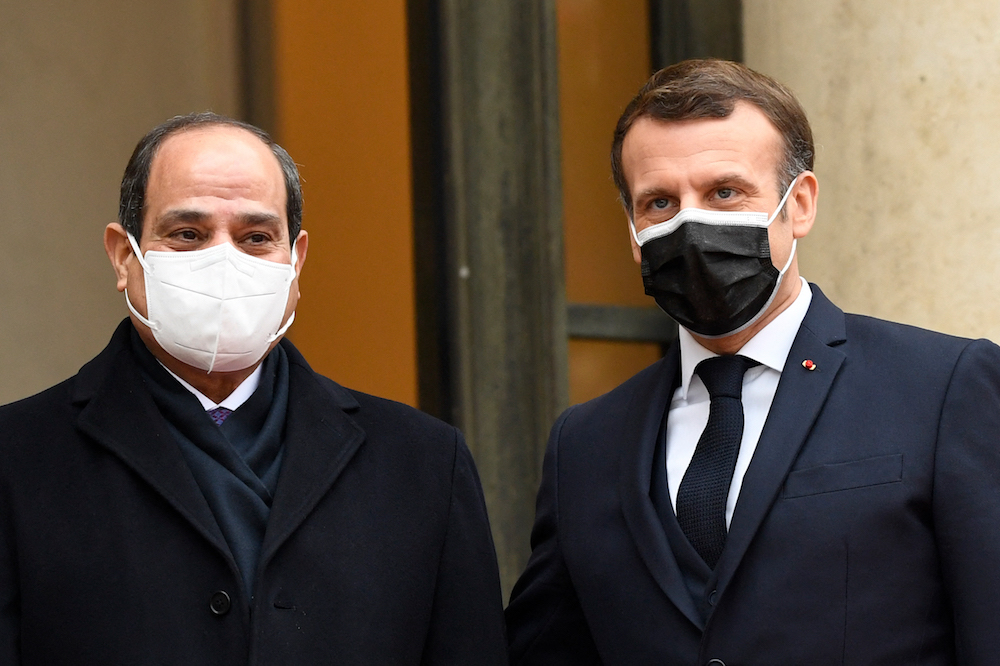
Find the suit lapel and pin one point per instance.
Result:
(642, 423)
(320, 439)
(797, 403)
(120, 415)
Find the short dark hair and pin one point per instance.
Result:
(710, 88)
(131, 205)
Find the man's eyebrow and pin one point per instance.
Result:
(652, 192)
(182, 215)
(194, 215)
(732, 179)
(250, 219)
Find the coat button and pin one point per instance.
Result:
(221, 603)
(716, 662)
(711, 602)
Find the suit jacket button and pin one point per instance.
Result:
(711, 602)
(716, 662)
(221, 603)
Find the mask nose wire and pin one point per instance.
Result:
(781, 204)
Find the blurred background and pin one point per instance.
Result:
(469, 256)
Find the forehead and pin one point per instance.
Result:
(215, 162)
(746, 141)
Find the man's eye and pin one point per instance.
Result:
(660, 204)
(187, 234)
(725, 193)
(257, 238)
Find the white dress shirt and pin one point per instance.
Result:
(240, 395)
(688, 413)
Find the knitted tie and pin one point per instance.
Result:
(219, 414)
(701, 499)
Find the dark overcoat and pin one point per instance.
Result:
(377, 549)
(867, 529)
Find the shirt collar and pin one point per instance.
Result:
(769, 347)
(240, 395)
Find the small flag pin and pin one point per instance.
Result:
(808, 365)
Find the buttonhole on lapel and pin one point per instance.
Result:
(283, 604)
(808, 365)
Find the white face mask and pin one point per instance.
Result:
(217, 309)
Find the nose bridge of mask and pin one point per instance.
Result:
(712, 217)
(211, 256)
(248, 265)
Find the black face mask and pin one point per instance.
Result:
(711, 270)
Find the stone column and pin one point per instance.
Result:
(502, 211)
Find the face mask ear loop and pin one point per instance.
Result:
(781, 204)
(138, 253)
(291, 317)
(145, 267)
(281, 331)
(138, 316)
(791, 255)
(631, 226)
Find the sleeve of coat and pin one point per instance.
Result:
(9, 596)
(967, 501)
(467, 626)
(545, 622)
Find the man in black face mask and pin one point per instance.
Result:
(790, 484)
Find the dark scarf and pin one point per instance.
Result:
(236, 464)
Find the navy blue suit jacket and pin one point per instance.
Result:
(867, 529)
(377, 549)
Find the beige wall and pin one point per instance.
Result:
(80, 83)
(903, 99)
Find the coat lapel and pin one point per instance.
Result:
(797, 403)
(320, 439)
(642, 422)
(119, 414)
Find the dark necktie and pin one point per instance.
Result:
(701, 499)
(219, 414)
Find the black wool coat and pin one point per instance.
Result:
(377, 549)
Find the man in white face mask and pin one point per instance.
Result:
(790, 484)
(197, 494)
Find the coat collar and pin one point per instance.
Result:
(118, 413)
(641, 431)
(797, 404)
(320, 439)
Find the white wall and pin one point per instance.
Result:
(904, 99)
(80, 83)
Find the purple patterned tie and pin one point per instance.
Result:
(219, 414)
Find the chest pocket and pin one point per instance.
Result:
(844, 476)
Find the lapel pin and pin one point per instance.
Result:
(808, 365)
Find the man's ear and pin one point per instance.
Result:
(119, 250)
(801, 204)
(301, 247)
